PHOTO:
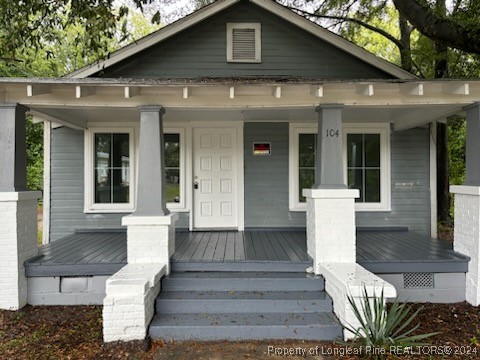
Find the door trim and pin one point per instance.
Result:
(238, 126)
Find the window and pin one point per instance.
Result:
(174, 168)
(244, 42)
(109, 170)
(366, 163)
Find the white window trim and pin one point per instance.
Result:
(180, 206)
(89, 202)
(385, 184)
(362, 128)
(258, 42)
(132, 130)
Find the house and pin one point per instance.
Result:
(231, 176)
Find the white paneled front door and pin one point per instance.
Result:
(215, 178)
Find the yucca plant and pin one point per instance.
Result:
(381, 327)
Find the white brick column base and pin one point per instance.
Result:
(129, 304)
(150, 239)
(331, 225)
(344, 279)
(18, 242)
(467, 236)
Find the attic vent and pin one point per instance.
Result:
(243, 42)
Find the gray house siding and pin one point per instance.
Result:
(410, 154)
(67, 188)
(287, 51)
(266, 179)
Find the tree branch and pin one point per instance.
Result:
(385, 34)
(446, 30)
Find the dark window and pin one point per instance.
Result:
(112, 168)
(172, 166)
(307, 145)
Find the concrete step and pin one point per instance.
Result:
(246, 326)
(217, 302)
(242, 281)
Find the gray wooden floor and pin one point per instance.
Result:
(232, 246)
(104, 253)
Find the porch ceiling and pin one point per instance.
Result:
(76, 102)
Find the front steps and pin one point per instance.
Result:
(243, 306)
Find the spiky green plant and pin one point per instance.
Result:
(381, 327)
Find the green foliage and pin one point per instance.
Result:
(381, 327)
(457, 132)
(34, 155)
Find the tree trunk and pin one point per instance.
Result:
(405, 49)
(443, 171)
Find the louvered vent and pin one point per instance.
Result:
(243, 43)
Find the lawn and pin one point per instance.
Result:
(75, 332)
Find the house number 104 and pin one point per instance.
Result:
(332, 133)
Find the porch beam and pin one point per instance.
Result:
(131, 91)
(37, 89)
(366, 89)
(13, 148)
(412, 89)
(71, 123)
(151, 192)
(83, 91)
(329, 159)
(472, 171)
(457, 89)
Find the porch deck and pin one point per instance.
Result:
(104, 253)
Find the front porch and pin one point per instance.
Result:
(100, 253)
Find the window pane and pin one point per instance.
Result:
(112, 168)
(372, 185)
(172, 150)
(173, 185)
(306, 150)
(172, 166)
(354, 150)
(355, 181)
(121, 150)
(102, 186)
(306, 179)
(121, 187)
(372, 150)
(102, 150)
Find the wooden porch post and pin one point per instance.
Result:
(18, 208)
(467, 207)
(329, 160)
(151, 192)
(151, 228)
(330, 205)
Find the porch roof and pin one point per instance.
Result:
(76, 102)
(103, 253)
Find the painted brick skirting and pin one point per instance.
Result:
(343, 279)
(18, 241)
(467, 236)
(129, 305)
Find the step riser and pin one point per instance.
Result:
(195, 284)
(168, 306)
(246, 332)
(240, 266)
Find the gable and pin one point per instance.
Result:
(286, 51)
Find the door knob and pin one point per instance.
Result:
(195, 185)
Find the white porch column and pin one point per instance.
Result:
(330, 205)
(130, 293)
(18, 209)
(467, 207)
